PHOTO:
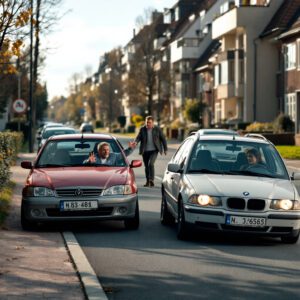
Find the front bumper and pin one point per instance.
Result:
(277, 223)
(40, 209)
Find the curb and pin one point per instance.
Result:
(87, 275)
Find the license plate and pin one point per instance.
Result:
(245, 221)
(78, 205)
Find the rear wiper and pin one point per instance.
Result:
(205, 171)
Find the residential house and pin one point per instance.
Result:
(245, 66)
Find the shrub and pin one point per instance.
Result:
(256, 126)
(99, 124)
(177, 124)
(283, 123)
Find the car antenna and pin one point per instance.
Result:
(233, 137)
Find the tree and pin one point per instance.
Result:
(14, 16)
(193, 110)
(141, 82)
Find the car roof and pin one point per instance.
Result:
(239, 138)
(217, 131)
(85, 136)
(58, 128)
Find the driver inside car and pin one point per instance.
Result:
(254, 157)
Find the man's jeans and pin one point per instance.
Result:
(149, 158)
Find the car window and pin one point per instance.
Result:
(75, 152)
(182, 152)
(235, 157)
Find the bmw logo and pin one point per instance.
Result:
(246, 193)
(78, 192)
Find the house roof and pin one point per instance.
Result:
(285, 16)
(210, 50)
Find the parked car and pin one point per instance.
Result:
(86, 127)
(44, 127)
(211, 183)
(60, 187)
(52, 130)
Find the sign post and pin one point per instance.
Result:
(19, 107)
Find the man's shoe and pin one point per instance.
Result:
(147, 183)
(151, 183)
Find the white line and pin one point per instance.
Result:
(89, 279)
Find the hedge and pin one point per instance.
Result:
(10, 145)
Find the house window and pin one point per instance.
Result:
(224, 72)
(298, 51)
(290, 105)
(216, 75)
(218, 112)
(290, 56)
(200, 83)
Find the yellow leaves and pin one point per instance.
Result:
(23, 18)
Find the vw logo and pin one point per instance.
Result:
(78, 192)
(246, 193)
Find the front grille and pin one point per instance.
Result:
(256, 204)
(76, 192)
(281, 229)
(236, 203)
(101, 211)
(242, 228)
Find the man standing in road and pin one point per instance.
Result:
(152, 141)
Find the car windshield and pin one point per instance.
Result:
(236, 158)
(71, 153)
(56, 131)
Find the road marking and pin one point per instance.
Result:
(88, 277)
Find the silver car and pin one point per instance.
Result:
(230, 184)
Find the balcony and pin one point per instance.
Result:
(241, 16)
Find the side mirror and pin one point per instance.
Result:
(135, 163)
(175, 168)
(26, 164)
(295, 176)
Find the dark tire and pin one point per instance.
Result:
(133, 223)
(292, 238)
(25, 223)
(165, 216)
(182, 227)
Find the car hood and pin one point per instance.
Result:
(235, 186)
(102, 177)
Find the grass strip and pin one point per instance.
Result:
(289, 152)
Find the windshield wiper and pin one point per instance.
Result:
(52, 166)
(248, 172)
(205, 171)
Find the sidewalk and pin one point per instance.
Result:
(34, 265)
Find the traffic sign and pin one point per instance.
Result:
(19, 106)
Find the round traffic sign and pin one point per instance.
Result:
(19, 106)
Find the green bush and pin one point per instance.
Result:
(99, 124)
(10, 145)
(257, 126)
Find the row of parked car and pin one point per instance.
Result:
(217, 180)
(50, 128)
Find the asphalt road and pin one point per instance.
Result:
(151, 263)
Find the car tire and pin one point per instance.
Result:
(25, 223)
(133, 223)
(165, 216)
(182, 226)
(292, 238)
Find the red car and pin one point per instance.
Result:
(60, 186)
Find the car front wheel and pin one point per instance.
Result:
(165, 216)
(182, 227)
(292, 238)
(133, 223)
(25, 223)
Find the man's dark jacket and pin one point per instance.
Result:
(159, 139)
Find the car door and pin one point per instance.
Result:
(171, 179)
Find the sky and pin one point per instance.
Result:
(87, 31)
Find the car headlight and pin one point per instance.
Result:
(285, 204)
(38, 191)
(118, 190)
(205, 200)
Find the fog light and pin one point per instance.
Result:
(122, 210)
(36, 212)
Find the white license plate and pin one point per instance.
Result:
(78, 205)
(245, 221)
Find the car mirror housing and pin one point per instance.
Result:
(135, 163)
(175, 168)
(26, 164)
(295, 176)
